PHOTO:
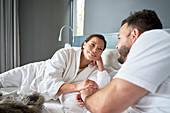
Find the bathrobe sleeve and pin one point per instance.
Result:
(102, 78)
(21, 77)
(54, 78)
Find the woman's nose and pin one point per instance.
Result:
(95, 49)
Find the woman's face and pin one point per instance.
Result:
(93, 48)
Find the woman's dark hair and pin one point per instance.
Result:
(95, 35)
(143, 20)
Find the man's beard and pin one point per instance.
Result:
(123, 51)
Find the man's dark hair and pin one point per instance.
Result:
(143, 20)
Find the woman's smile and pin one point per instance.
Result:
(91, 54)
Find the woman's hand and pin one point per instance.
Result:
(86, 84)
(79, 100)
(99, 63)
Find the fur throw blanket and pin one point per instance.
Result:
(31, 103)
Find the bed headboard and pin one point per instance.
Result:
(167, 29)
(111, 39)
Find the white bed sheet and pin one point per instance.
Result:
(53, 106)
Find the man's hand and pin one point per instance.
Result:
(87, 84)
(80, 98)
(87, 92)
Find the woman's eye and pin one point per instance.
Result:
(92, 44)
(101, 49)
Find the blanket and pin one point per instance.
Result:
(32, 103)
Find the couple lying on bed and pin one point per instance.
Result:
(64, 75)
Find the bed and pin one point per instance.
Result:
(109, 57)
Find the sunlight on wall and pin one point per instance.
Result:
(80, 17)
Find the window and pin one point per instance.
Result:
(78, 18)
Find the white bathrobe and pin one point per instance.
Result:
(48, 76)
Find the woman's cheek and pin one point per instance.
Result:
(99, 55)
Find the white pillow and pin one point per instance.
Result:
(67, 45)
(109, 57)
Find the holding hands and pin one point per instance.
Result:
(86, 88)
(87, 84)
(80, 98)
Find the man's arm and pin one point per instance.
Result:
(117, 96)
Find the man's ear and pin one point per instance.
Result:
(135, 34)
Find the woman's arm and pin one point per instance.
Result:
(101, 77)
(69, 88)
(99, 63)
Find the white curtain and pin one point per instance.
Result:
(9, 35)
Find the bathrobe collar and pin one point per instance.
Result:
(89, 69)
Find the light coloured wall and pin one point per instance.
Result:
(105, 16)
(40, 22)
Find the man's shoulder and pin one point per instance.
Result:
(153, 37)
(156, 32)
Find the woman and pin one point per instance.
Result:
(65, 74)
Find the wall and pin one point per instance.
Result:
(105, 16)
(40, 23)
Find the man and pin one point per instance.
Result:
(142, 85)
